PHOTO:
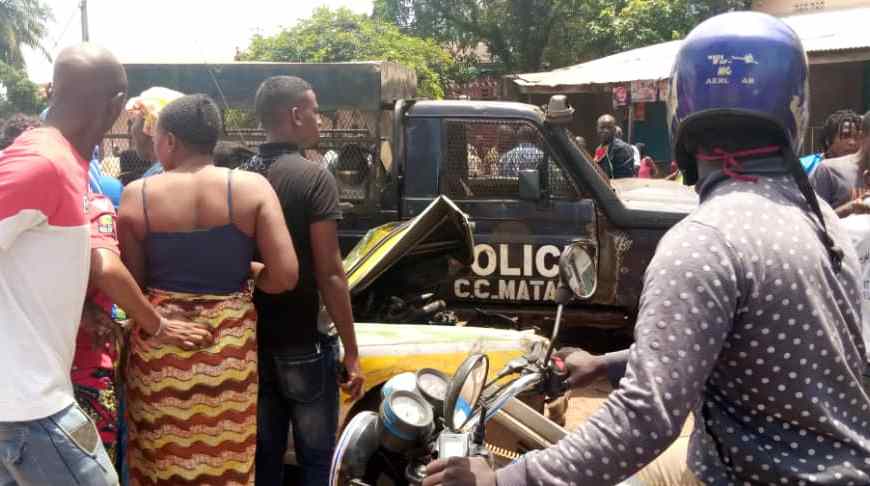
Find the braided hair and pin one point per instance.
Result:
(834, 126)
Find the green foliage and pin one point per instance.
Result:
(18, 93)
(342, 36)
(235, 118)
(530, 35)
(22, 23)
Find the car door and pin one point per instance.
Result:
(518, 236)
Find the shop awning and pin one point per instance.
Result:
(834, 36)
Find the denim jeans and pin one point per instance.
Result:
(302, 389)
(63, 449)
(121, 466)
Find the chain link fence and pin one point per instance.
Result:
(350, 146)
(484, 159)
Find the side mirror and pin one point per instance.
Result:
(464, 390)
(578, 269)
(530, 185)
(559, 112)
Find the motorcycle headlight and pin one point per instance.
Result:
(355, 448)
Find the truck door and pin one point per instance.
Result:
(518, 235)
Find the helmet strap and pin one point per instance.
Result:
(731, 164)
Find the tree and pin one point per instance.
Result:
(342, 36)
(22, 23)
(515, 31)
(528, 35)
(18, 93)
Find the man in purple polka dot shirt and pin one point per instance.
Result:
(750, 315)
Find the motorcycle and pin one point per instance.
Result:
(427, 415)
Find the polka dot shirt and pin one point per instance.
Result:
(744, 323)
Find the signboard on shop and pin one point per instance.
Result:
(643, 91)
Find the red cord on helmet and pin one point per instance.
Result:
(732, 167)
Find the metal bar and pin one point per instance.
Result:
(84, 8)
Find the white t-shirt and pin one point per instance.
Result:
(44, 266)
(858, 226)
(636, 152)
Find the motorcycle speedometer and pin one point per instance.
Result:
(404, 381)
(406, 420)
(432, 384)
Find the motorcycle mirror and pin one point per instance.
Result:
(356, 446)
(577, 276)
(577, 270)
(465, 389)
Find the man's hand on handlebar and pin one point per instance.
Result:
(460, 471)
(583, 368)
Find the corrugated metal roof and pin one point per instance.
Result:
(820, 32)
(834, 30)
(651, 62)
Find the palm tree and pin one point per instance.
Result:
(22, 23)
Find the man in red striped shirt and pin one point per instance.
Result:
(44, 267)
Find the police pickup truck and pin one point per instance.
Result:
(512, 168)
(528, 190)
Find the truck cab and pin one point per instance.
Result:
(513, 168)
(529, 191)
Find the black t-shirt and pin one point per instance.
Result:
(308, 194)
(619, 160)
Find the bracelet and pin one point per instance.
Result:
(161, 327)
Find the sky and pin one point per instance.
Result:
(172, 30)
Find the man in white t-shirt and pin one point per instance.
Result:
(44, 268)
(858, 226)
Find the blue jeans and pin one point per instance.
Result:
(63, 449)
(121, 465)
(302, 389)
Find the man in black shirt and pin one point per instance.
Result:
(615, 156)
(297, 363)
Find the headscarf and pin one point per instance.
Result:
(149, 104)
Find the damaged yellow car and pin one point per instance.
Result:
(391, 274)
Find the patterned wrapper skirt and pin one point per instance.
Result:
(192, 415)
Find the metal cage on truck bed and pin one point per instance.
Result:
(356, 101)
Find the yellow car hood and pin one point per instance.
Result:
(442, 228)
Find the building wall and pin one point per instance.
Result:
(834, 87)
(588, 106)
(791, 7)
(653, 131)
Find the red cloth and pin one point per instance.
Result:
(94, 361)
(600, 153)
(647, 168)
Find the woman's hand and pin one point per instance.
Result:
(186, 335)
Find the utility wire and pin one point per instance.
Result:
(65, 28)
(217, 85)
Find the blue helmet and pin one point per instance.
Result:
(739, 64)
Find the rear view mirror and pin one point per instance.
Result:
(464, 390)
(578, 269)
(530, 185)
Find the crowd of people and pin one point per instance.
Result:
(225, 348)
(841, 135)
(750, 316)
